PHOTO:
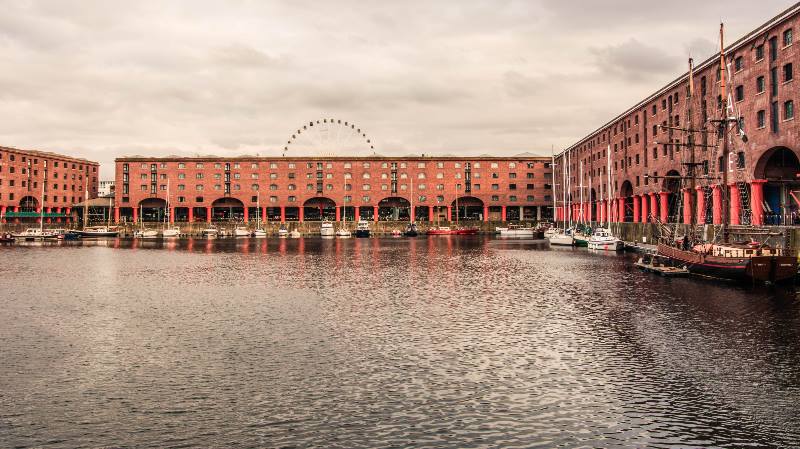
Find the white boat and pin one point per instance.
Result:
(295, 234)
(326, 229)
(33, 234)
(170, 233)
(343, 232)
(283, 232)
(241, 231)
(259, 233)
(210, 233)
(146, 234)
(562, 239)
(516, 231)
(499, 230)
(550, 232)
(362, 230)
(604, 240)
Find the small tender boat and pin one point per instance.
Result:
(326, 229)
(259, 233)
(362, 230)
(343, 232)
(396, 233)
(6, 238)
(466, 231)
(210, 233)
(295, 234)
(100, 231)
(411, 230)
(603, 240)
(171, 233)
(283, 232)
(580, 240)
(241, 231)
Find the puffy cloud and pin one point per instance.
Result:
(106, 78)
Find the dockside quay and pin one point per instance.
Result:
(281, 189)
(39, 184)
(629, 169)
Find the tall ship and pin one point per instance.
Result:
(720, 257)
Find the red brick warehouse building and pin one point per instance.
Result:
(650, 141)
(310, 189)
(32, 180)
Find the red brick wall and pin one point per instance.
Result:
(333, 169)
(22, 173)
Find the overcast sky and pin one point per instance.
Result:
(101, 79)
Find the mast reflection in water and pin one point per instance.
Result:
(429, 342)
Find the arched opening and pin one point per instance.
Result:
(626, 193)
(28, 204)
(394, 209)
(779, 167)
(227, 209)
(152, 209)
(469, 208)
(319, 209)
(672, 185)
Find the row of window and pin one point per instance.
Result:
(329, 187)
(329, 165)
(35, 161)
(47, 199)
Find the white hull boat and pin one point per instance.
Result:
(260, 234)
(241, 232)
(295, 234)
(146, 234)
(326, 229)
(171, 233)
(562, 240)
(603, 240)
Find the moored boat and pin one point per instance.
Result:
(283, 232)
(241, 231)
(411, 230)
(604, 240)
(362, 230)
(210, 233)
(736, 262)
(100, 231)
(516, 231)
(441, 230)
(326, 229)
(259, 233)
(34, 234)
(171, 233)
(562, 239)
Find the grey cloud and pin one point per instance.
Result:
(634, 60)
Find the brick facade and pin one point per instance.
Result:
(762, 171)
(296, 188)
(22, 173)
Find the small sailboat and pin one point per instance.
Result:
(259, 232)
(295, 234)
(362, 230)
(241, 231)
(169, 231)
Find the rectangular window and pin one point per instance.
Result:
(738, 63)
(761, 118)
(787, 37)
(761, 84)
(788, 110)
(788, 73)
(773, 49)
(739, 93)
(759, 53)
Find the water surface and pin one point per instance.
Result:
(440, 342)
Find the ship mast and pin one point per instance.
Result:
(690, 144)
(724, 123)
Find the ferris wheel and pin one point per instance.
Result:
(329, 137)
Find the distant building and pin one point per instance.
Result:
(32, 180)
(106, 189)
(315, 188)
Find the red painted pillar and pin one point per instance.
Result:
(208, 214)
(687, 206)
(68, 213)
(637, 217)
(283, 214)
(503, 213)
(358, 213)
(301, 215)
(757, 201)
(664, 206)
(47, 210)
(246, 214)
(3, 210)
(645, 215)
(172, 215)
(612, 211)
(485, 213)
(191, 214)
(449, 213)
(116, 215)
(736, 204)
(338, 214)
(589, 209)
(701, 205)
(375, 213)
(263, 214)
(621, 204)
(431, 213)
(413, 215)
(716, 198)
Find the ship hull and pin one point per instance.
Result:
(757, 268)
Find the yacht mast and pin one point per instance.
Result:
(41, 208)
(725, 124)
(555, 196)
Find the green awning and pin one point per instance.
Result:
(34, 215)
